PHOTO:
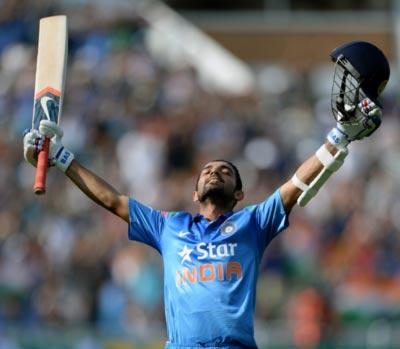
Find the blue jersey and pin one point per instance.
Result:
(210, 269)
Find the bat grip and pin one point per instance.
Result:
(39, 187)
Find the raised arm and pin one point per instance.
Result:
(316, 170)
(92, 185)
(98, 190)
(306, 173)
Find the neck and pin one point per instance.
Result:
(211, 211)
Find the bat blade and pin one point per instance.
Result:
(49, 84)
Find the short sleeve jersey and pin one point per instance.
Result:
(210, 269)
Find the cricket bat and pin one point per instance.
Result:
(49, 85)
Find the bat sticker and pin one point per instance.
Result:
(47, 106)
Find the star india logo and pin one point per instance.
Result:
(212, 262)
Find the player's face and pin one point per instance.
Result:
(217, 180)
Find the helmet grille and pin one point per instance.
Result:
(346, 92)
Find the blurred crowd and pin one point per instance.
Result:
(147, 129)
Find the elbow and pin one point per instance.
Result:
(118, 205)
(289, 195)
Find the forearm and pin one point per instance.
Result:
(98, 190)
(306, 173)
(313, 166)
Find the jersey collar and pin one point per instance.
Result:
(199, 217)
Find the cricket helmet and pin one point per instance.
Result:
(361, 71)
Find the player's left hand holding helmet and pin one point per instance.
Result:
(59, 156)
(366, 120)
(361, 74)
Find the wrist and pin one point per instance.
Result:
(337, 138)
(331, 148)
(63, 159)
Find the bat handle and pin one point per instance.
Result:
(39, 188)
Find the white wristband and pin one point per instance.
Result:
(337, 138)
(63, 159)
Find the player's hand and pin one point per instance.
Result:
(59, 156)
(33, 142)
(366, 121)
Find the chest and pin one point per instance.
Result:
(206, 242)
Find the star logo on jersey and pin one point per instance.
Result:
(185, 254)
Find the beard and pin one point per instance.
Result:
(217, 194)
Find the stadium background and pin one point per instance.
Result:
(69, 277)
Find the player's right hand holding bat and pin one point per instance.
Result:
(59, 156)
(91, 184)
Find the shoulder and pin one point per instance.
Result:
(248, 209)
(176, 216)
(270, 200)
(271, 203)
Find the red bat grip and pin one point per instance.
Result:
(39, 187)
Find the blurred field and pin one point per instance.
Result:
(69, 277)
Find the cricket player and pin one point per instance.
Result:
(211, 260)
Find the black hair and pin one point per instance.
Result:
(239, 183)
